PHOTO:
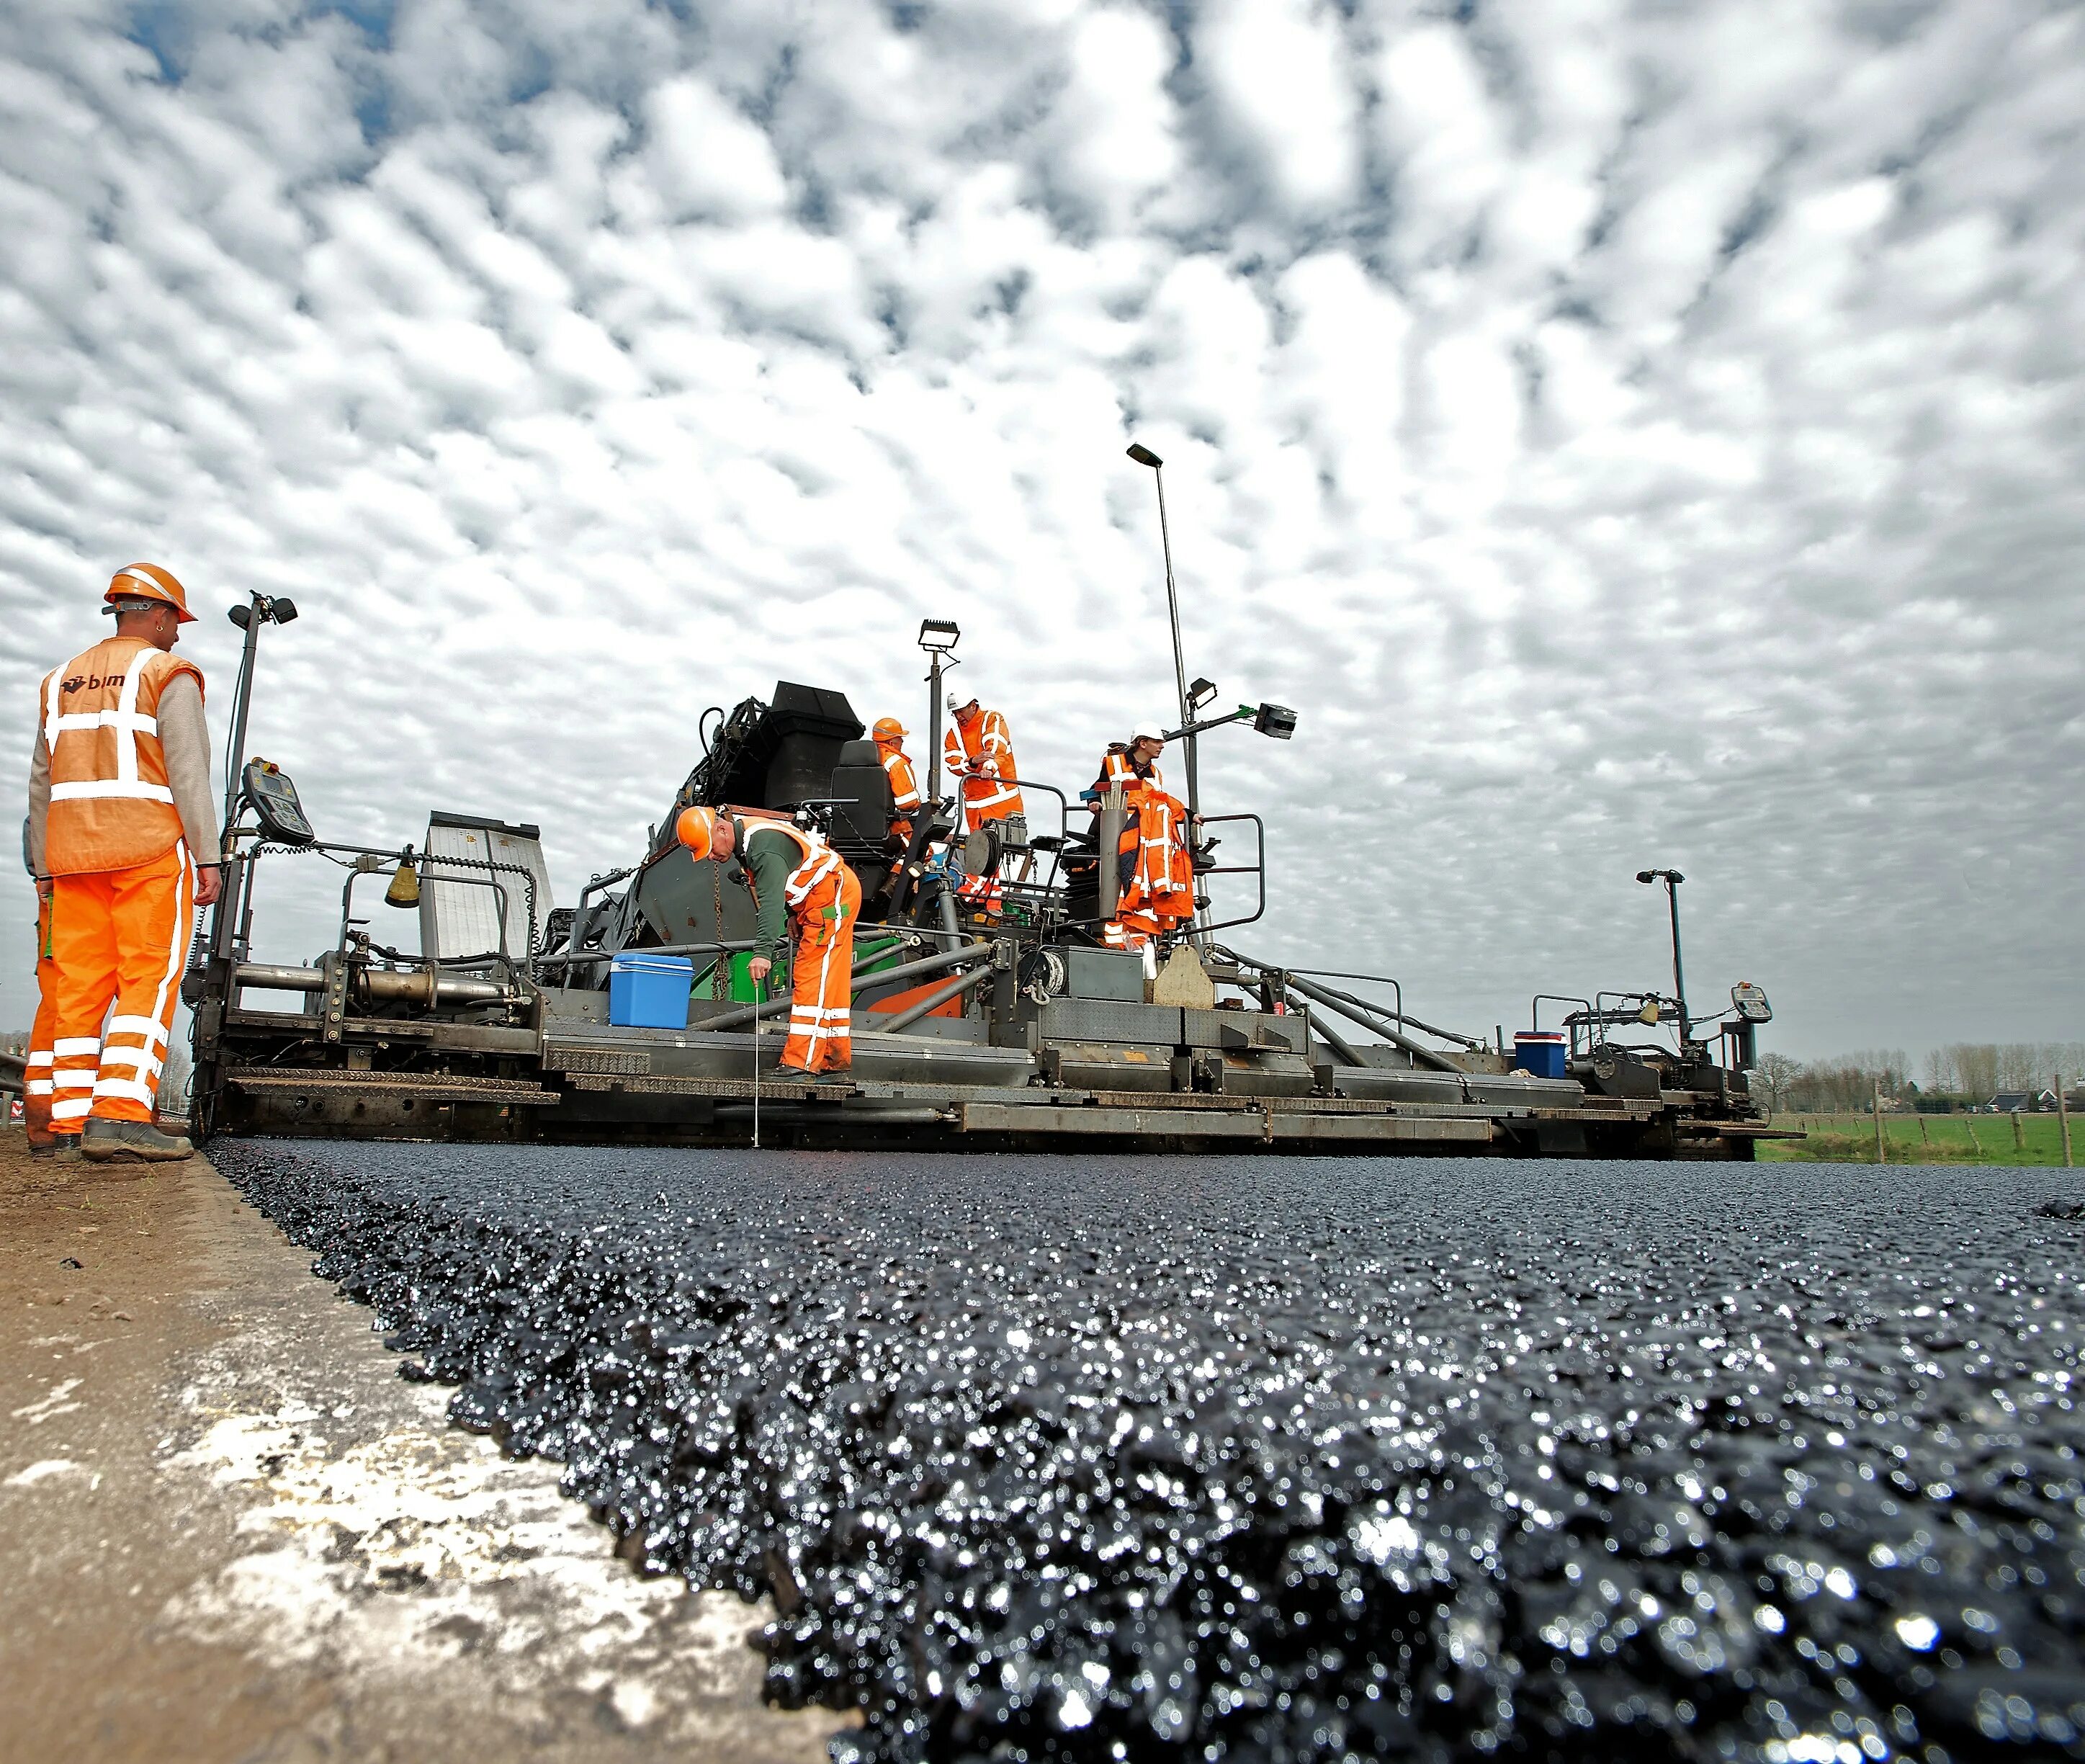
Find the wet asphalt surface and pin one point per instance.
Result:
(1251, 1458)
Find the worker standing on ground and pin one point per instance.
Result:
(905, 798)
(36, 1082)
(123, 840)
(796, 876)
(976, 748)
(1155, 872)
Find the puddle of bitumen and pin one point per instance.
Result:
(1254, 1458)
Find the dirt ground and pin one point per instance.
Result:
(229, 1531)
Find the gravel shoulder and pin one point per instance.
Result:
(228, 1529)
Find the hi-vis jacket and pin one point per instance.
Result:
(111, 798)
(904, 788)
(981, 753)
(780, 851)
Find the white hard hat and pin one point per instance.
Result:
(1147, 731)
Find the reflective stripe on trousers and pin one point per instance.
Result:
(119, 938)
(823, 973)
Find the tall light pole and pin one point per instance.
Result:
(937, 637)
(1143, 456)
(1672, 879)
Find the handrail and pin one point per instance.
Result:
(1257, 870)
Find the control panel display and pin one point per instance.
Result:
(275, 804)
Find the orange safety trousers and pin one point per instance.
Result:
(119, 938)
(821, 988)
(37, 1087)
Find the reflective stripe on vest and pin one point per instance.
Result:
(904, 787)
(112, 801)
(818, 860)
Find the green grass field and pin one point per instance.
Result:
(1926, 1139)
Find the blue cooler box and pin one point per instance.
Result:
(649, 991)
(1539, 1052)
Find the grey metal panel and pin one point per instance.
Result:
(1105, 974)
(1093, 1019)
(678, 898)
(460, 920)
(1197, 1123)
(1098, 1066)
(1267, 1074)
(1402, 1087)
(1205, 1028)
(1517, 1090)
(727, 1053)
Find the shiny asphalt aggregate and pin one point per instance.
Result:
(1283, 1459)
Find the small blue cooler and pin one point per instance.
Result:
(1539, 1052)
(649, 991)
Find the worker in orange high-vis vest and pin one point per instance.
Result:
(905, 797)
(797, 879)
(1156, 874)
(976, 749)
(123, 839)
(36, 1087)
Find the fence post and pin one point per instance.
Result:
(2063, 1117)
(1881, 1151)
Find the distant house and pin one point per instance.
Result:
(2022, 1102)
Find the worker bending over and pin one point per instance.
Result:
(796, 877)
(1155, 872)
(976, 748)
(123, 840)
(905, 798)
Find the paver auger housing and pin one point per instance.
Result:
(985, 1016)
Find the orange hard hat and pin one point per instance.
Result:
(697, 829)
(149, 582)
(888, 728)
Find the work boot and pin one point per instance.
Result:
(66, 1149)
(118, 1142)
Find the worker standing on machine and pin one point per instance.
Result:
(36, 1080)
(123, 840)
(905, 798)
(1154, 869)
(976, 748)
(796, 877)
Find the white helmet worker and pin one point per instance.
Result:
(1147, 730)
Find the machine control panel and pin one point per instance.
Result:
(275, 804)
(1751, 1003)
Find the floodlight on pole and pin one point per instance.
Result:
(938, 637)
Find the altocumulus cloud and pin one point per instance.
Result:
(1629, 434)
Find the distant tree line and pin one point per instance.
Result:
(1964, 1072)
(1843, 1082)
(1983, 1069)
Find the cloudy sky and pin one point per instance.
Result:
(1630, 432)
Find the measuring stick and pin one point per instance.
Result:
(762, 989)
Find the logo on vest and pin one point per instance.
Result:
(91, 682)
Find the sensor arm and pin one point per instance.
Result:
(1274, 720)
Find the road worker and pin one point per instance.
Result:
(976, 749)
(1154, 869)
(36, 1085)
(905, 797)
(796, 877)
(123, 840)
